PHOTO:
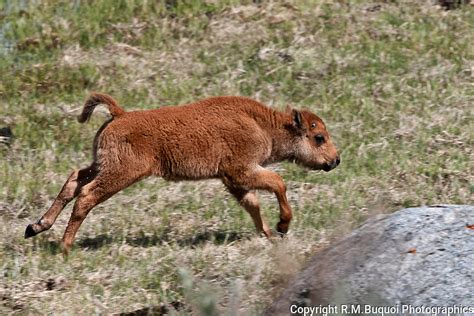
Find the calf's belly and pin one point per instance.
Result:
(189, 166)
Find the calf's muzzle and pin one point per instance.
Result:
(333, 164)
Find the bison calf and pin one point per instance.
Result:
(230, 138)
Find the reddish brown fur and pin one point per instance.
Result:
(231, 138)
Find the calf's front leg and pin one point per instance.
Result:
(249, 201)
(263, 179)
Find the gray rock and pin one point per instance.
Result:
(418, 256)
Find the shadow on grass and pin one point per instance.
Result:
(218, 237)
(52, 247)
(155, 310)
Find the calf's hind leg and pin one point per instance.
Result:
(77, 179)
(97, 191)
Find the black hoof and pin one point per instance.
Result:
(282, 229)
(29, 232)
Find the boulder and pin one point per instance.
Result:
(418, 256)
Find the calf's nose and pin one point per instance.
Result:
(335, 163)
(331, 165)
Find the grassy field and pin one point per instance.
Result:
(394, 83)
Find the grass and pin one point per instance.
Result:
(392, 81)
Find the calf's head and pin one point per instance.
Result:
(312, 145)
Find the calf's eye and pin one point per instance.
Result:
(313, 125)
(319, 139)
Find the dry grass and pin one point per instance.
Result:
(392, 81)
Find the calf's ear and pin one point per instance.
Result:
(297, 120)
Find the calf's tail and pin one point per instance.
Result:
(99, 98)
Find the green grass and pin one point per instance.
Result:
(393, 83)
